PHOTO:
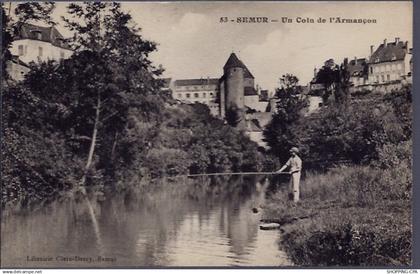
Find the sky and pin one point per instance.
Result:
(192, 43)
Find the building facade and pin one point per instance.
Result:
(234, 90)
(389, 63)
(202, 90)
(388, 68)
(36, 43)
(358, 69)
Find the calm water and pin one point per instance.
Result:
(205, 222)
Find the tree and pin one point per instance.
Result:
(120, 71)
(279, 133)
(335, 79)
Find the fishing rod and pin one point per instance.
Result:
(222, 174)
(236, 173)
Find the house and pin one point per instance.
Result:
(202, 90)
(36, 43)
(389, 65)
(358, 70)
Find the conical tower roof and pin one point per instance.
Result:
(233, 62)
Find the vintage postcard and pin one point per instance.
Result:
(206, 134)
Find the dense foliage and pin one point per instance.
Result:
(100, 119)
(279, 133)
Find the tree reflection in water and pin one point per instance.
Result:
(207, 221)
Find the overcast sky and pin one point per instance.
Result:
(193, 43)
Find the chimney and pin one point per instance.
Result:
(397, 39)
(384, 42)
(355, 60)
(371, 49)
(315, 72)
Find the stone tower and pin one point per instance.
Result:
(234, 82)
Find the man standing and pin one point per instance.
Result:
(295, 165)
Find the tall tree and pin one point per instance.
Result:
(279, 133)
(123, 76)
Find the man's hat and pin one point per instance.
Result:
(294, 149)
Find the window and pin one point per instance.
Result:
(204, 95)
(196, 95)
(377, 78)
(179, 95)
(36, 34)
(188, 95)
(211, 93)
(388, 77)
(383, 78)
(40, 51)
(371, 70)
(20, 50)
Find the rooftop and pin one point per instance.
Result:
(388, 52)
(197, 82)
(234, 62)
(357, 67)
(46, 34)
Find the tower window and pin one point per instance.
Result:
(20, 50)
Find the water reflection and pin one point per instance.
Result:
(202, 222)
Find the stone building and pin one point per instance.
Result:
(234, 90)
(358, 69)
(235, 80)
(36, 43)
(389, 65)
(202, 90)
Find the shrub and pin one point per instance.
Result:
(167, 162)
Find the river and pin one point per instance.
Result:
(200, 222)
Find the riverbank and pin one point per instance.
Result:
(349, 216)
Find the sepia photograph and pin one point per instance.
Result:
(213, 134)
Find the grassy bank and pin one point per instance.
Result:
(359, 215)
